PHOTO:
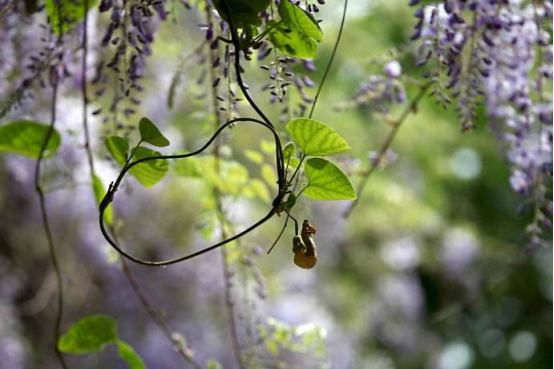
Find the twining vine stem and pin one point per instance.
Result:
(328, 68)
(46, 221)
(374, 164)
(54, 80)
(109, 197)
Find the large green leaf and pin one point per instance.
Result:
(71, 11)
(118, 148)
(315, 138)
(88, 335)
(129, 355)
(300, 20)
(26, 138)
(99, 193)
(297, 34)
(150, 172)
(151, 134)
(292, 42)
(243, 13)
(327, 182)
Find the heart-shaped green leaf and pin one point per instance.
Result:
(288, 151)
(297, 34)
(89, 335)
(300, 20)
(151, 134)
(150, 172)
(327, 182)
(26, 138)
(315, 138)
(291, 41)
(118, 148)
(288, 155)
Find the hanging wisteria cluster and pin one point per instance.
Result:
(497, 54)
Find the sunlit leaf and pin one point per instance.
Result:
(151, 134)
(227, 176)
(27, 138)
(71, 12)
(129, 355)
(268, 174)
(254, 156)
(316, 138)
(288, 151)
(327, 182)
(88, 335)
(118, 148)
(267, 146)
(149, 172)
(256, 188)
(99, 192)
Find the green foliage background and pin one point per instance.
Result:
(446, 192)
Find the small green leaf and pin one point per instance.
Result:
(288, 155)
(99, 193)
(88, 335)
(254, 156)
(26, 138)
(315, 138)
(151, 134)
(288, 151)
(71, 11)
(118, 148)
(327, 182)
(150, 172)
(129, 355)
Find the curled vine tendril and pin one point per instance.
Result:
(110, 195)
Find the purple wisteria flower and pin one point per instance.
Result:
(499, 54)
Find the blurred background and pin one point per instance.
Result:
(429, 271)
